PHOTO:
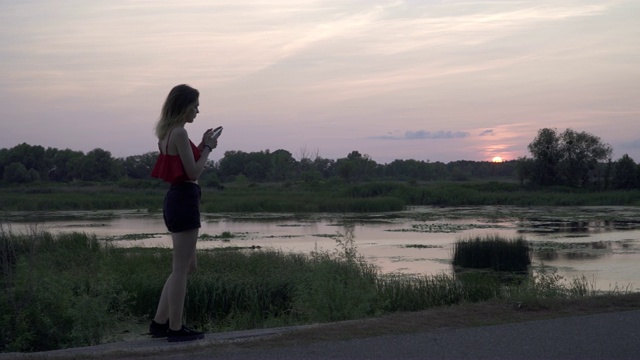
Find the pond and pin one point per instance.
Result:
(600, 243)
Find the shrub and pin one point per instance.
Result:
(492, 252)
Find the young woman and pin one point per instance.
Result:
(180, 163)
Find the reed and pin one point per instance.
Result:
(301, 197)
(492, 252)
(55, 292)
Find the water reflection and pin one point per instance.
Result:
(603, 242)
(547, 255)
(478, 279)
(543, 225)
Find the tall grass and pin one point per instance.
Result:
(56, 292)
(76, 197)
(492, 252)
(71, 290)
(302, 197)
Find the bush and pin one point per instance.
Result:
(492, 252)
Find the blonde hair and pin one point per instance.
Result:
(179, 101)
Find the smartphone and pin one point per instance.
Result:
(217, 131)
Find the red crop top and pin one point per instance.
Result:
(169, 167)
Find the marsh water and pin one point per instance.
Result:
(600, 243)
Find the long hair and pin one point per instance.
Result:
(176, 106)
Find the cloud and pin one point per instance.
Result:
(422, 134)
(487, 133)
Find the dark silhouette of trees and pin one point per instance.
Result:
(582, 153)
(626, 174)
(139, 166)
(18, 173)
(545, 150)
(569, 158)
(62, 163)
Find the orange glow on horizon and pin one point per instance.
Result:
(497, 159)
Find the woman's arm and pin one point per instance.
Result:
(192, 168)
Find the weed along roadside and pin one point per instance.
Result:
(95, 292)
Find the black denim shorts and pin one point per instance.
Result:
(181, 208)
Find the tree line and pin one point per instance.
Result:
(26, 163)
(570, 158)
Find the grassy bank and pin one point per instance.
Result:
(305, 197)
(70, 290)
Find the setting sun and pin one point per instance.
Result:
(497, 159)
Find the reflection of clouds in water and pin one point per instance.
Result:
(420, 246)
(84, 225)
(130, 237)
(551, 250)
(575, 228)
(549, 269)
(445, 228)
(584, 256)
(281, 236)
(397, 258)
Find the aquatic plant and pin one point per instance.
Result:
(492, 252)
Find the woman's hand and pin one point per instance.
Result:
(208, 139)
(207, 134)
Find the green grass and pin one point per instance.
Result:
(74, 197)
(71, 290)
(305, 198)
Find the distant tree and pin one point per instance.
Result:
(96, 165)
(569, 158)
(357, 167)
(437, 171)
(625, 173)
(209, 177)
(33, 175)
(408, 169)
(345, 169)
(305, 164)
(232, 164)
(62, 161)
(603, 175)
(324, 166)
(255, 171)
(139, 166)
(4, 153)
(16, 173)
(545, 150)
(32, 157)
(581, 153)
(282, 166)
(99, 165)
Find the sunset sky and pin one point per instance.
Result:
(425, 80)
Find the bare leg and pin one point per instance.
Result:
(171, 304)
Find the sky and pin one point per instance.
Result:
(423, 80)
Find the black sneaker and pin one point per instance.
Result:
(184, 334)
(158, 330)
